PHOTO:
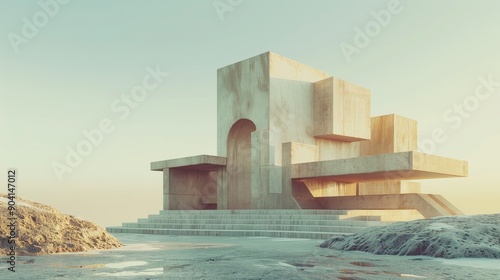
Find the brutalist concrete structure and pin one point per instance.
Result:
(293, 137)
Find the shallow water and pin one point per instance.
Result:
(194, 257)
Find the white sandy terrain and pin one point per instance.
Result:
(444, 237)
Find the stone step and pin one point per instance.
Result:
(289, 223)
(246, 216)
(249, 227)
(256, 211)
(227, 233)
(362, 218)
(384, 215)
(236, 220)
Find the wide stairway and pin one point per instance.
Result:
(312, 224)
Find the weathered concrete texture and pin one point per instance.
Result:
(322, 188)
(290, 136)
(239, 165)
(390, 134)
(388, 187)
(201, 162)
(190, 183)
(341, 110)
(284, 68)
(191, 189)
(426, 204)
(242, 93)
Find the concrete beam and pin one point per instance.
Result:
(386, 167)
(427, 205)
(388, 187)
(200, 162)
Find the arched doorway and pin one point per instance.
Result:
(238, 164)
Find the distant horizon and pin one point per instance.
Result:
(94, 92)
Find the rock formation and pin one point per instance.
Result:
(42, 229)
(443, 237)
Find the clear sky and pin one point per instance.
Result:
(68, 67)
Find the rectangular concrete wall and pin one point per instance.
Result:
(281, 67)
(388, 187)
(322, 188)
(242, 93)
(290, 114)
(190, 189)
(329, 149)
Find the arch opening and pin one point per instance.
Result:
(238, 166)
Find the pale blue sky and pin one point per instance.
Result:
(64, 79)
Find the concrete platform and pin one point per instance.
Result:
(398, 166)
(199, 162)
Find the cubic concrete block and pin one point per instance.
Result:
(341, 110)
(284, 68)
(390, 134)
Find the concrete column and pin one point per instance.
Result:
(286, 177)
(166, 192)
(222, 189)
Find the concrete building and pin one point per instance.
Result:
(293, 137)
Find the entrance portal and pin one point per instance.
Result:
(239, 165)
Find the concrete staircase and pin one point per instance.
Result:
(312, 224)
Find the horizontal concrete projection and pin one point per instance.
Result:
(386, 167)
(200, 162)
(428, 205)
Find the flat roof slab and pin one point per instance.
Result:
(397, 166)
(200, 162)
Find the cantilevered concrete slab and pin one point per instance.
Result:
(386, 167)
(429, 205)
(191, 182)
(200, 162)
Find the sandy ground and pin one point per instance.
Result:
(184, 257)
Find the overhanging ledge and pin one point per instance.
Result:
(200, 162)
(398, 166)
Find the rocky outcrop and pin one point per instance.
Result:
(444, 237)
(44, 230)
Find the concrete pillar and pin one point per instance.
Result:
(222, 189)
(166, 180)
